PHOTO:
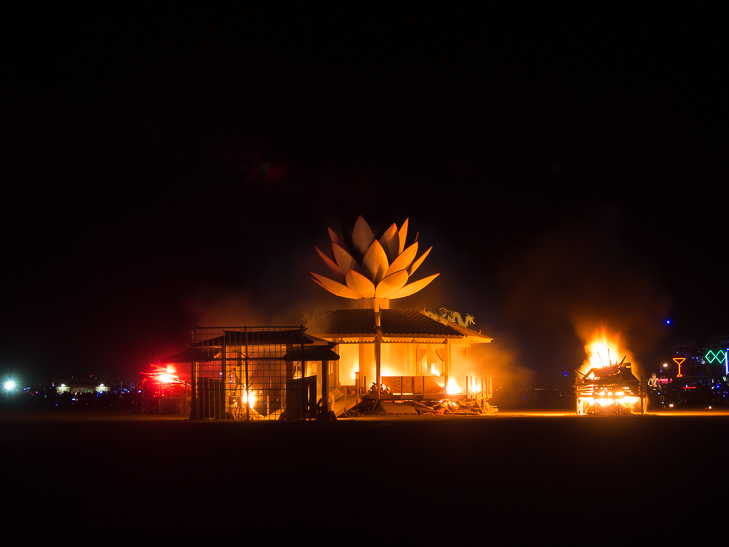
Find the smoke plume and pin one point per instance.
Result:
(573, 281)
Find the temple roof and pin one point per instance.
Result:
(395, 324)
(294, 337)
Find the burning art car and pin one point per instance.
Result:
(609, 390)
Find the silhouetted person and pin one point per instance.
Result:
(653, 381)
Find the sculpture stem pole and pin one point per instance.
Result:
(378, 353)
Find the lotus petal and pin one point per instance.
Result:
(335, 287)
(418, 262)
(375, 264)
(391, 283)
(404, 260)
(402, 235)
(345, 260)
(362, 237)
(390, 243)
(360, 284)
(336, 238)
(332, 265)
(412, 288)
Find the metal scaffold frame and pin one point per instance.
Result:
(250, 373)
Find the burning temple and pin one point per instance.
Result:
(346, 356)
(407, 353)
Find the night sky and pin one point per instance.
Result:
(166, 169)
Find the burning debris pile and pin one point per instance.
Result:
(369, 407)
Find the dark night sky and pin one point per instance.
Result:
(169, 169)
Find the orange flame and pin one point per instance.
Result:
(602, 351)
(249, 398)
(453, 388)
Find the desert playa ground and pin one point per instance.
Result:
(514, 478)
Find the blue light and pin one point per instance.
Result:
(565, 373)
(668, 321)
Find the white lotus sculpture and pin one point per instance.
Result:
(373, 268)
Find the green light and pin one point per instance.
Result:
(719, 356)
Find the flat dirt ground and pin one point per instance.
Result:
(508, 479)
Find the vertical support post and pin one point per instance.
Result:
(246, 387)
(335, 369)
(193, 381)
(238, 382)
(324, 390)
(412, 369)
(224, 377)
(378, 354)
(304, 391)
(448, 360)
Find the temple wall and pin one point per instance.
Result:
(460, 363)
(405, 359)
(396, 360)
(348, 363)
